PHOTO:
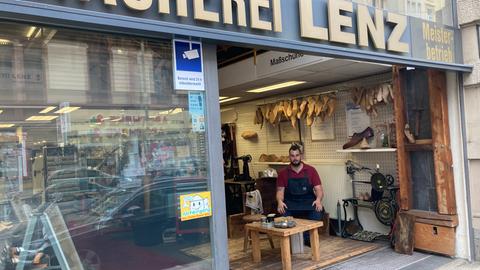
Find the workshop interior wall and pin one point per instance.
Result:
(322, 155)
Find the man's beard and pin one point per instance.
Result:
(295, 163)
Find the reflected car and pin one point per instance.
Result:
(74, 188)
(148, 211)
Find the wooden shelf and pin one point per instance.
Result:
(372, 150)
(419, 145)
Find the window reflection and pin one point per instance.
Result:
(440, 11)
(94, 139)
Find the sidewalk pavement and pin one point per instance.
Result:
(459, 264)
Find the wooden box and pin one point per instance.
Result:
(236, 225)
(435, 238)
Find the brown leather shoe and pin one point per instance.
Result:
(358, 137)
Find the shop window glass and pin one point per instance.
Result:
(440, 11)
(96, 149)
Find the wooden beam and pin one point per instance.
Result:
(432, 215)
(442, 155)
(403, 157)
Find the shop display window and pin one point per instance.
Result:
(96, 148)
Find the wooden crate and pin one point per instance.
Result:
(435, 238)
(236, 225)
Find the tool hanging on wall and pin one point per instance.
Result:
(310, 108)
(370, 98)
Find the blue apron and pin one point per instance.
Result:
(299, 194)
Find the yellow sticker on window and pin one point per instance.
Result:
(195, 205)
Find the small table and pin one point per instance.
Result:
(302, 225)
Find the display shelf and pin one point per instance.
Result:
(372, 150)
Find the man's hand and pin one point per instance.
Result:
(318, 205)
(281, 207)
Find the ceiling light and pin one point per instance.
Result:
(31, 31)
(222, 98)
(177, 110)
(6, 125)
(4, 41)
(229, 99)
(275, 86)
(41, 118)
(67, 109)
(48, 109)
(116, 119)
(1, 111)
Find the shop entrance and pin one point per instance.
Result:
(368, 129)
(271, 100)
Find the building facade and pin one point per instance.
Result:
(469, 20)
(96, 118)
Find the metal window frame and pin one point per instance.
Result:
(478, 39)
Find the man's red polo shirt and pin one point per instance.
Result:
(313, 177)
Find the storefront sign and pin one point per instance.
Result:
(188, 65)
(273, 62)
(195, 205)
(436, 43)
(336, 27)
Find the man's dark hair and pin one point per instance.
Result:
(295, 147)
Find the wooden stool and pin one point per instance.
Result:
(246, 239)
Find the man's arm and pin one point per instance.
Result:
(281, 206)
(319, 196)
(318, 192)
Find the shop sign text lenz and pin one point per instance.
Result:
(188, 65)
(340, 25)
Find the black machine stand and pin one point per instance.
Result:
(245, 175)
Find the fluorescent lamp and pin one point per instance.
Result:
(222, 98)
(177, 110)
(275, 86)
(67, 109)
(6, 125)
(48, 109)
(31, 31)
(116, 119)
(229, 99)
(41, 118)
(1, 111)
(4, 41)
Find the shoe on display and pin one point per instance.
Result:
(364, 144)
(358, 137)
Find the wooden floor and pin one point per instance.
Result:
(332, 250)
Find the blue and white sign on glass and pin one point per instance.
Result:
(188, 65)
(196, 107)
